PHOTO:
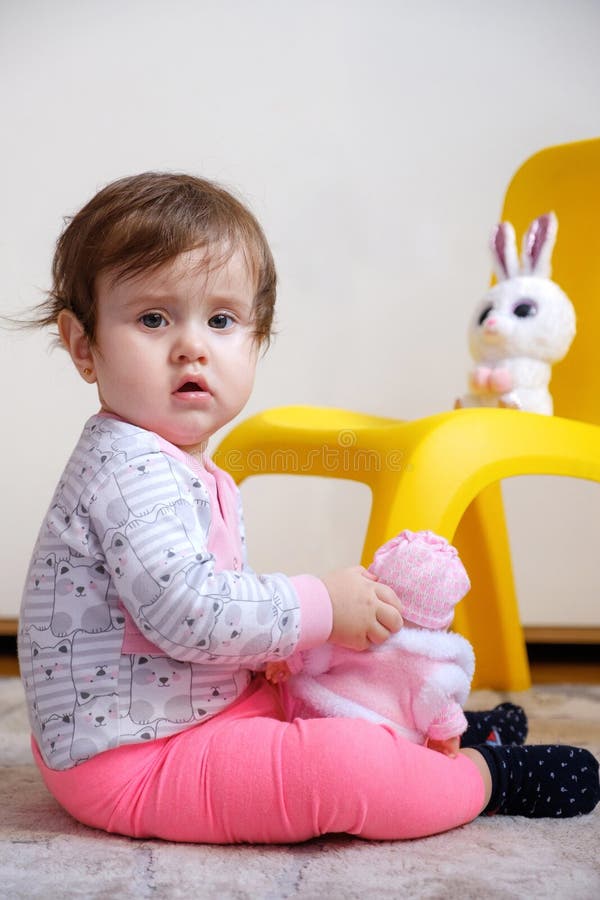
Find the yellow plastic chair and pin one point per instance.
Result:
(443, 472)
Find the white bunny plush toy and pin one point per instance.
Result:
(523, 324)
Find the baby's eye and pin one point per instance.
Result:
(485, 313)
(525, 308)
(153, 320)
(221, 321)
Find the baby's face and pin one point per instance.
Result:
(174, 350)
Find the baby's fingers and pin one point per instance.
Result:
(366, 574)
(389, 611)
(377, 634)
(389, 618)
(387, 595)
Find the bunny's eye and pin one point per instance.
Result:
(485, 313)
(525, 308)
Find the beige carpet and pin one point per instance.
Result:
(44, 853)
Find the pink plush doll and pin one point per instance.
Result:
(418, 680)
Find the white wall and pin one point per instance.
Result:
(374, 140)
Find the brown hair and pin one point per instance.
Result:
(143, 221)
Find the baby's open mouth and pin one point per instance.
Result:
(189, 386)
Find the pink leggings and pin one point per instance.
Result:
(249, 775)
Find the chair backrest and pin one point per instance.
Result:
(566, 179)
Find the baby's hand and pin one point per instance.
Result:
(364, 611)
(276, 672)
(448, 747)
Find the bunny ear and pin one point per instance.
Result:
(504, 251)
(538, 245)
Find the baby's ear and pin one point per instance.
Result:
(76, 342)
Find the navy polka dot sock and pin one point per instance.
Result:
(539, 781)
(505, 724)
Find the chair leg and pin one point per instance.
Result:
(489, 615)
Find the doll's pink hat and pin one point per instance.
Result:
(427, 575)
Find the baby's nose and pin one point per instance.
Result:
(191, 345)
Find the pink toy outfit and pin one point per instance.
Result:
(247, 770)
